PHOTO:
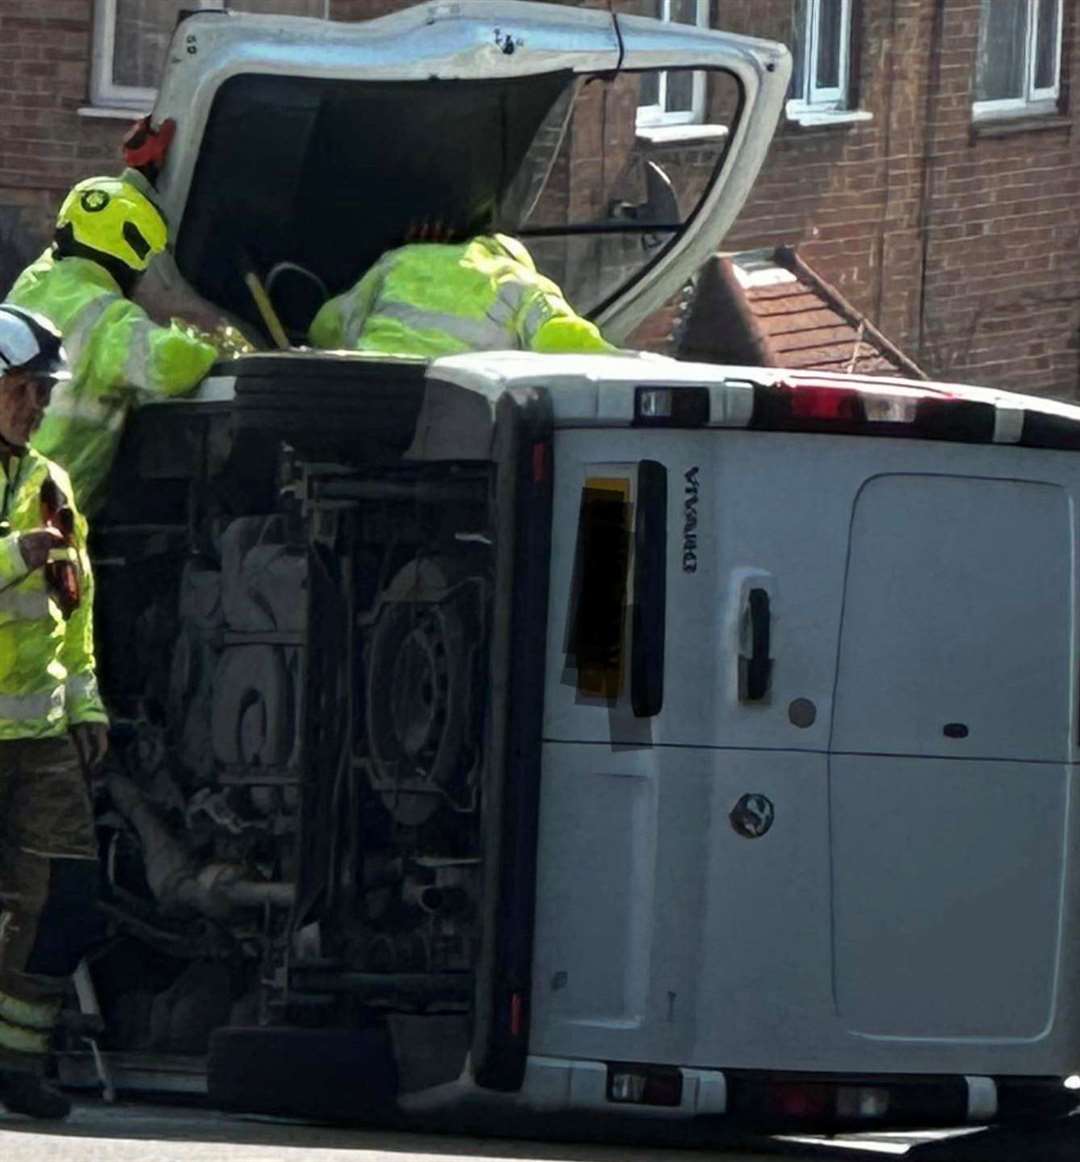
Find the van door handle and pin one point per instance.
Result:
(755, 671)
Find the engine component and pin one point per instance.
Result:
(420, 670)
(177, 879)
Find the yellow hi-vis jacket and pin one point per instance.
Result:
(432, 299)
(47, 680)
(119, 357)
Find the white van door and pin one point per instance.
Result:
(683, 880)
(948, 766)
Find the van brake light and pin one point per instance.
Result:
(866, 410)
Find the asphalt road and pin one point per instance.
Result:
(135, 1132)
(146, 1133)
(129, 1132)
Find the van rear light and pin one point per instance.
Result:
(867, 410)
(671, 407)
(646, 1085)
(799, 1100)
(859, 1102)
(828, 404)
(517, 1014)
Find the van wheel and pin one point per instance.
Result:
(339, 1075)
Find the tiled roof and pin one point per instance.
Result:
(769, 309)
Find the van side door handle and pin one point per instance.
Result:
(755, 670)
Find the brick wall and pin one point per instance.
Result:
(960, 244)
(44, 144)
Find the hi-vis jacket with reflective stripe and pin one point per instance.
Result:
(47, 680)
(119, 357)
(431, 299)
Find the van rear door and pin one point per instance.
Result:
(948, 767)
(291, 131)
(683, 889)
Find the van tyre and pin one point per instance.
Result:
(340, 1075)
(353, 407)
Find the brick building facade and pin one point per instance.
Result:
(948, 215)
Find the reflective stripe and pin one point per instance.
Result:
(82, 686)
(22, 603)
(20, 1040)
(480, 334)
(536, 316)
(84, 322)
(506, 306)
(137, 364)
(57, 855)
(28, 1014)
(25, 707)
(79, 405)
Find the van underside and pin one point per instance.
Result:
(298, 628)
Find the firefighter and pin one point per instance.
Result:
(52, 723)
(107, 232)
(443, 298)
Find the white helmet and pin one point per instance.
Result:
(29, 342)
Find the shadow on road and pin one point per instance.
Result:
(178, 1131)
(200, 1134)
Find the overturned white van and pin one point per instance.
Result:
(561, 737)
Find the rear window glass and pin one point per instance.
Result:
(342, 171)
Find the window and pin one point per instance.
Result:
(131, 37)
(822, 52)
(1018, 69)
(674, 98)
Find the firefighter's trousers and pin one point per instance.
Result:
(48, 885)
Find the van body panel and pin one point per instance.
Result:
(634, 939)
(958, 619)
(948, 896)
(824, 945)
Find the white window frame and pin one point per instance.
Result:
(651, 116)
(1035, 100)
(816, 98)
(104, 91)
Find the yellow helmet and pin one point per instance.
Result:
(114, 218)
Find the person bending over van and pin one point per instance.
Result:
(107, 232)
(443, 298)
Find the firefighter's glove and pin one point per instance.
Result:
(225, 337)
(230, 342)
(91, 741)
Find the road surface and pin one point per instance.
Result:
(130, 1132)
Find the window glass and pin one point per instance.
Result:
(649, 93)
(830, 19)
(680, 92)
(556, 161)
(592, 223)
(1046, 44)
(684, 11)
(1002, 50)
(671, 98)
(798, 49)
(820, 46)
